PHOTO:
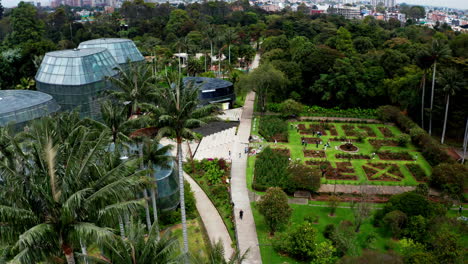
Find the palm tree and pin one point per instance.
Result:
(135, 86)
(451, 81)
(229, 36)
(66, 192)
(156, 157)
(137, 248)
(424, 61)
(180, 112)
(216, 256)
(438, 51)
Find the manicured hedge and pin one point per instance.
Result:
(270, 169)
(272, 127)
(430, 148)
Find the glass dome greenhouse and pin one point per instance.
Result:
(122, 49)
(76, 78)
(20, 106)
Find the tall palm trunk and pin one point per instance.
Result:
(155, 211)
(229, 51)
(180, 66)
(432, 97)
(423, 97)
(211, 55)
(182, 197)
(445, 119)
(145, 194)
(68, 252)
(148, 218)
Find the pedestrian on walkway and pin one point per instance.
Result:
(239, 155)
(316, 143)
(241, 214)
(276, 141)
(229, 154)
(459, 210)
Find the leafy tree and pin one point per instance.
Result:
(324, 253)
(423, 61)
(344, 239)
(275, 208)
(179, 23)
(416, 229)
(343, 41)
(179, 114)
(267, 82)
(395, 220)
(446, 247)
(450, 178)
(333, 202)
(417, 12)
(373, 257)
(26, 25)
(361, 211)
(291, 108)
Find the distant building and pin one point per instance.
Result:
(386, 3)
(348, 12)
(213, 90)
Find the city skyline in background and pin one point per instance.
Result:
(460, 4)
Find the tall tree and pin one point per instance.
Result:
(179, 114)
(135, 83)
(155, 157)
(424, 61)
(438, 51)
(58, 198)
(451, 81)
(275, 208)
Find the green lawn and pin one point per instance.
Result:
(197, 240)
(269, 255)
(296, 149)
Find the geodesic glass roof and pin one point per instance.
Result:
(122, 49)
(18, 106)
(76, 67)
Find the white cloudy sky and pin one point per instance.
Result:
(462, 4)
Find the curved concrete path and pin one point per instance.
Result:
(212, 221)
(245, 228)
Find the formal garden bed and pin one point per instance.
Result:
(371, 143)
(417, 172)
(212, 175)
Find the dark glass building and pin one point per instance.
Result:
(76, 78)
(20, 106)
(123, 50)
(213, 90)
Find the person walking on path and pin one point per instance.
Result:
(240, 155)
(241, 214)
(459, 210)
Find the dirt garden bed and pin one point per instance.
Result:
(310, 140)
(342, 139)
(279, 138)
(348, 147)
(386, 131)
(417, 172)
(383, 142)
(314, 153)
(283, 151)
(349, 130)
(370, 132)
(387, 155)
(351, 156)
(333, 131)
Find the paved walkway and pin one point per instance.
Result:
(245, 228)
(212, 221)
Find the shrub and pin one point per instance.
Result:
(275, 208)
(403, 139)
(272, 128)
(410, 203)
(302, 177)
(431, 149)
(270, 170)
(299, 242)
(328, 231)
(449, 178)
(395, 220)
(290, 108)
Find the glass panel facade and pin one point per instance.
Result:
(212, 90)
(21, 106)
(77, 78)
(122, 49)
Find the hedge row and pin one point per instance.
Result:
(272, 127)
(430, 148)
